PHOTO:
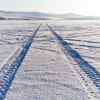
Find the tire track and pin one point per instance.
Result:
(9, 70)
(87, 68)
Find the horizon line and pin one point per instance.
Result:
(48, 12)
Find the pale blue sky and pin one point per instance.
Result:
(85, 7)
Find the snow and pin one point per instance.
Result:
(45, 74)
(89, 46)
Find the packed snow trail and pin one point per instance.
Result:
(8, 71)
(45, 74)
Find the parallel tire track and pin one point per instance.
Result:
(9, 70)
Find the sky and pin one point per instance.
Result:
(84, 7)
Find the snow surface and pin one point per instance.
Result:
(45, 74)
(83, 36)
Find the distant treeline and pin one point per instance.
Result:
(3, 18)
(37, 18)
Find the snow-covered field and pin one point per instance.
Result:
(84, 36)
(45, 73)
(12, 36)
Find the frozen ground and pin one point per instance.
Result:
(45, 73)
(12, 35)
(84, 37)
